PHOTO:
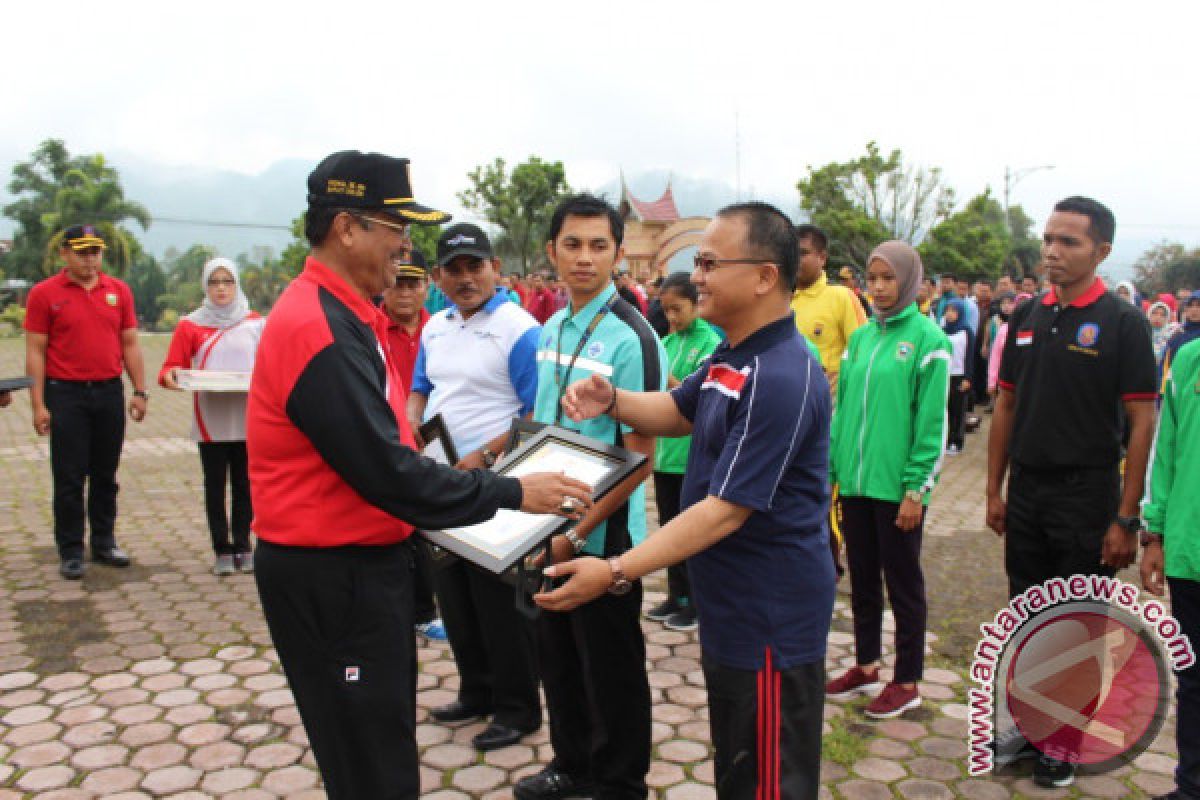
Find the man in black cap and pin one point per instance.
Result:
(334, 472)
(477, 368)
(80, 330)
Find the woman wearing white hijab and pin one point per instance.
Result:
(222, 334)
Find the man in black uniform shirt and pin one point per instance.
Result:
(1076, 355)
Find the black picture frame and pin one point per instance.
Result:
(13, 384)
(521, 431)
(434, 431)
(602, 465)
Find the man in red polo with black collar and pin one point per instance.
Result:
(1076, 355)
(80, 331)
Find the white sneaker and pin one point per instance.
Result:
(224, 564)
(952, 450)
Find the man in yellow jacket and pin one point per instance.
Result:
(826, 314)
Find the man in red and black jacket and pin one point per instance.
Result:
(337, 486)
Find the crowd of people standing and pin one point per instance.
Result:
(756, 389)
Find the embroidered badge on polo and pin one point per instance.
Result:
(352, 674)
(595, 349)
(818, 329)
(1087, 334)
(904, 350)
(111, 298)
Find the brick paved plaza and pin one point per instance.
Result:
(160, 681)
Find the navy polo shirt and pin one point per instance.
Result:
(760, 439)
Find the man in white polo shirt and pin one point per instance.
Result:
(477, 367)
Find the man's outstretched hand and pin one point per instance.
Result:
(546, 492)
(587, 579)
(587, 398)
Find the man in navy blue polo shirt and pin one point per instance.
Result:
(755, 495)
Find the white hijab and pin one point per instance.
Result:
(211, 315)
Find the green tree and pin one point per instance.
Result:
(1166, 267)
(864, 201)
(54, 190)
(971, 243)
(148, 282)
(518, 203)
(1024, 245)
(425, 238)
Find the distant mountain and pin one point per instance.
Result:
(260, 207)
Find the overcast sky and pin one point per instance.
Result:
(1105, 92)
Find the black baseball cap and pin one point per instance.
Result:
(463, 239)
(81, 237)
(414, 267)
(370, 181)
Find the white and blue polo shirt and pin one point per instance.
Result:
(760, 439)
(624, 349)
(478, 373)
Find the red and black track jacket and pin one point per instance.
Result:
(332, 460)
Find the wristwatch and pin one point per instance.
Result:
(620, 585)
(141, 393)
(1130, 524)
(1149, 538)
(576, 541)
(915, 496)
(489, 458)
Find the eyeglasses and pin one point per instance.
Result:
(402, 227)
(222, 282)
(707, 264)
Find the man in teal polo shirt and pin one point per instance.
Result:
(593, 659)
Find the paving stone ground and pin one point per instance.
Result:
(160, 680)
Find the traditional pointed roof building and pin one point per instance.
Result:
(655, 231)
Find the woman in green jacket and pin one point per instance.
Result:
(887, 439)
(1172, 540)
(689, 343)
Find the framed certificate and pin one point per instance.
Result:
(438, 444)
(212, 380)
(505, 539)
(522, 431)
(12, 384)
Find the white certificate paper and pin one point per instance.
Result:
(497, 534)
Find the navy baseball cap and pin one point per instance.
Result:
(370, 181)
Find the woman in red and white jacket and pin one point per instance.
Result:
(222, 334)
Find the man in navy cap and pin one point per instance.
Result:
(80, 331)
(338, 487)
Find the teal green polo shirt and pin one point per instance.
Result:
(624, 349)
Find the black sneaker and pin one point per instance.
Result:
(663, 610)
(1011, 747)
(551, 784)
(682, 620)
(1050, 773)
(71, 568)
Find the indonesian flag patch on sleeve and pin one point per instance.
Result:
(726, 380)
(1024, 338)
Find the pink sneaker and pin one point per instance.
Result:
(893, 701)
(853, 681)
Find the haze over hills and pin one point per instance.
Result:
(255, 211)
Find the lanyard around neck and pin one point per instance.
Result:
(561, 377)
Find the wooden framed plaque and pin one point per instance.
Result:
(505, 539)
